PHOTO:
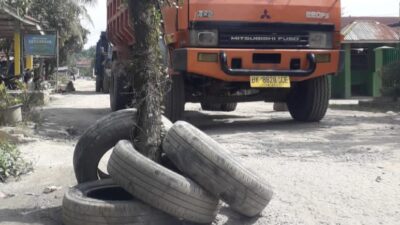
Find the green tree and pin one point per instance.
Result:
(62, 16)
(86, 54)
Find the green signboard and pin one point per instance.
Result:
(40, 45)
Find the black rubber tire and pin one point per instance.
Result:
(159, 187)
(211, 107)
(210, 165)
(175, 99)
(100, 138)
(308, 100)
(228, 107)
(105, 203)
(99, 84)
(119, 100)
(106, 84)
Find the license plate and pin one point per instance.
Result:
(270, 81)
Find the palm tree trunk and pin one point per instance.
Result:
(147, 75)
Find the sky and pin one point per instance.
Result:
(98, 13)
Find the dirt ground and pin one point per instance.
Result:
(344, 170)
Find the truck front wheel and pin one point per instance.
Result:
(175, 99)
(308, 100)
(225, 107)
(99, 83)
(106, 84)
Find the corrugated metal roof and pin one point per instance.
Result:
(346, 20)
(369, 32)
(10, 20)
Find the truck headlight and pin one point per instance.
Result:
(204, 38)
(320, 40)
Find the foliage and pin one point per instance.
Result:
(86, 72)
(21, 5)
(86, 54)
(11, 162)
(391, 80)
(63, 16)
(6, 100)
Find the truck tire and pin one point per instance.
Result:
(175, 99)
(206, 162)
(159, 187)
(119, 97)
(106, 84)
(98, 139)
(228, 107)
(308, 100)
(103, 202)
(211, 107)
(99, 84)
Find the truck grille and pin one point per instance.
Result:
(262, 35)
(262, 39)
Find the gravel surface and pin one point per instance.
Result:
(344, 170)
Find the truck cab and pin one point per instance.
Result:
(223, 52)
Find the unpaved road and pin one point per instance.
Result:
(344, 170)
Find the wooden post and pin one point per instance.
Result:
(29, 62)
(17, 52)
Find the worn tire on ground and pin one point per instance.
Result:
(175, 99)
(105, 203)
(101, 137)
(210, 165)
(98, 139)
(160, 187)
(308, 100)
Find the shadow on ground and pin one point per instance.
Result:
(231, 123)
(84, 93)
(53, 216)
(68, 122)
(47, 216)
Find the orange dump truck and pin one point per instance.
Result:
(222, 52)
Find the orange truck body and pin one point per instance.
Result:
(241, 38)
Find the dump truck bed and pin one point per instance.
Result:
(119, 26)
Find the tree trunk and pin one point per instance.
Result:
(148, 76)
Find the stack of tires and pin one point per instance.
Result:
(141, 191)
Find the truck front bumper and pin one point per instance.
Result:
(239, 64)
